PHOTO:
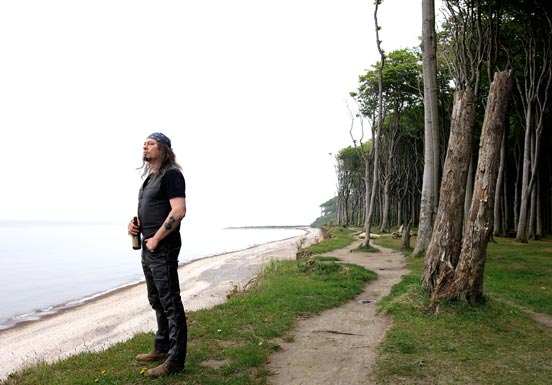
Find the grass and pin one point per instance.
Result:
(495, 343)
(521, 273)
(230, 343)
(341, 237)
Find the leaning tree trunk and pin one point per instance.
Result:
(446, 241)
(468, 277)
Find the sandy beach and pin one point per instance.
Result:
(119, 315)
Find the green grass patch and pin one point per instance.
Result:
(228, 344)
(521, 273)
(388, 242)
(495, 343)
(394, 243)
(341, 237)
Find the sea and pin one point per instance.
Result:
(51, 266)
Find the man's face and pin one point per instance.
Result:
(151, 150)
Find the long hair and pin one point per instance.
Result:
(168, 160)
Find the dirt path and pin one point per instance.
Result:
(338, 346)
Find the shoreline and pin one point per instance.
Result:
(121, 313)
(41, 314)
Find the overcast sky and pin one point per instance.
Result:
(252, 94)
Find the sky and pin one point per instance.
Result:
(253, 95)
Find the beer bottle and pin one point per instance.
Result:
(136, 244)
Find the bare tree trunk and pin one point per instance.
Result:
(367, 214)
(468, 277)
(522, 228)
(497, 228)
(517, 186)
(375, 138)
(384, 228)
(431, 127)
(469, 188)
(346, 210)
(338, 209)
(399, 211)
(538, 230)
(446, 241)
(414, 208)
(532, 224)
(432, 88)
(405, 244)
(506, 205)
(425, 225)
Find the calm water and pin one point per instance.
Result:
(49, 266)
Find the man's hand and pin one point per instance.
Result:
(151, 244)
(133, 229)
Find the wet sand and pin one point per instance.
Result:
(119, 315)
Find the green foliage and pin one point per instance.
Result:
(325, 220)
(329, 205)
(328, 217)
(401, 83)
(351, 157)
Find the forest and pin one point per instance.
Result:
(453, 138)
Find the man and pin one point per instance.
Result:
(161, 207)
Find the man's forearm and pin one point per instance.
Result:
(169, 225)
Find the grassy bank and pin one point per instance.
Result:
(228, 344)
(495, 343)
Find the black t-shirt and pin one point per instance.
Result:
(173, 184)
(154, 196)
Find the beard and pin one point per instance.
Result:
(146, 158)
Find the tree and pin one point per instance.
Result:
(446, 240)
(431, 130)
(349, 168)
(467, 279)
(401, 79)
(534, 91)
(400, 94)
(468, 46)
(467, 52)
(499, 226)
(371, 190)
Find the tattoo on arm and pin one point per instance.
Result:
(169, 223)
